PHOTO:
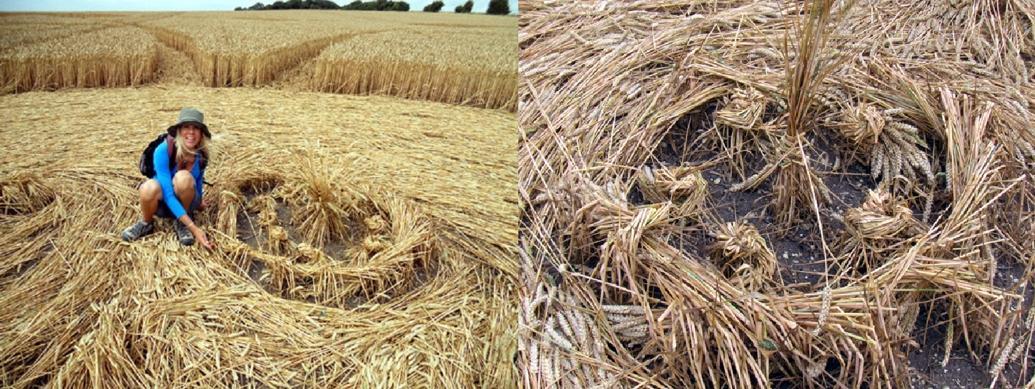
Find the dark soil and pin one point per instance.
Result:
(250, 233)
(255, 270)
(961, 371)
(798, 250)
(17, 272)
(13, 211)
(22, 209)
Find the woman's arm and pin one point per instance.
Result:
(164, 178)
(199, 182)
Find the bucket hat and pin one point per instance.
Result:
(190, 115)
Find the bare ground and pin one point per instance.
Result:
(798, 250)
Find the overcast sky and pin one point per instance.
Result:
(191, 5)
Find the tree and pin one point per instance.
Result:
(498, 7)
(322, 4)
(464, 9)
(435, 6)
(300, 4)
(376, 5)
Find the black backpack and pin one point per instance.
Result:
(147, 165)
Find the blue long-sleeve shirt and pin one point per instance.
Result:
(164, 178)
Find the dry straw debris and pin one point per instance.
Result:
(924, 106)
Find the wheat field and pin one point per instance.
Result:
(79, 57)
(462, 59)
(430, 63)
(361, 241)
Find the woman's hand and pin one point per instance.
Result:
(205, 203)
(199, 236)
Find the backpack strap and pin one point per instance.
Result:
(170, 146)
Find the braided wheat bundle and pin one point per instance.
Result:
(683, 185)
(744, 256)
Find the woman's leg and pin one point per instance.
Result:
(150, 196)
(183, 185)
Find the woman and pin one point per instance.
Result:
(177, 181)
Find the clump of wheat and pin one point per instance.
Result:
(683, 185)
(743, 255)
(276, 238)
(743, 110)
(321, 199)
(230, 203)
(897, 150)
(308, 253)
(797, 187)
(865, 124)
(557, 337)
(373, 244)
(739, 127)
(881, 217)
(376, 224)
(873, 230)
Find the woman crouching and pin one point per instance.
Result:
(176, 176)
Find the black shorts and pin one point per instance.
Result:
(166, 213)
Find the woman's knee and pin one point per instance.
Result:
(150, 190)
(183, 181)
